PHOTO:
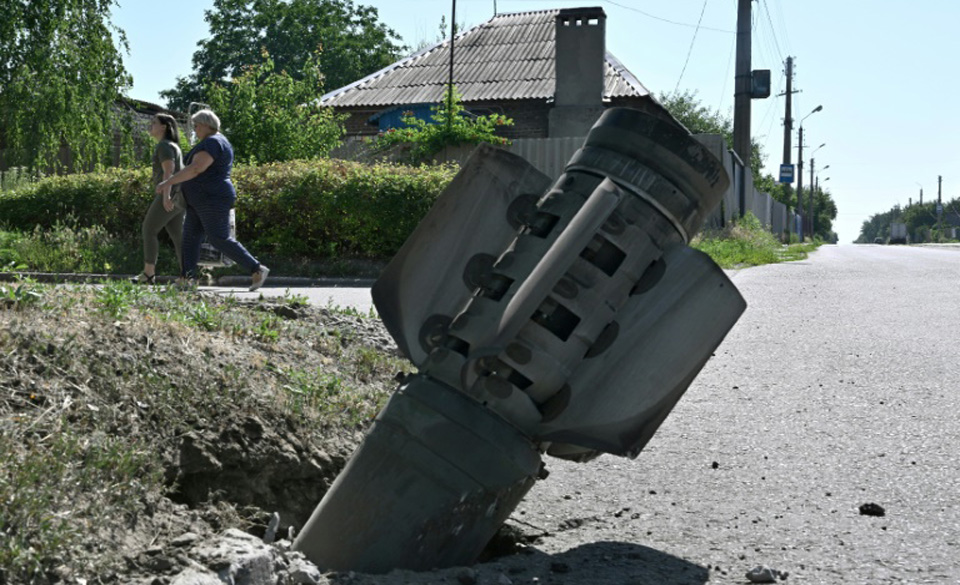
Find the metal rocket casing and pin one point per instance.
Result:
(526, 299)
(565, 317)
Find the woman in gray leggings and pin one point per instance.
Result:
(167, 210)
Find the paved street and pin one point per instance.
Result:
(837, 388)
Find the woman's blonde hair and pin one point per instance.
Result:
(207, 118)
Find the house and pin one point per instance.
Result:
(548, 70)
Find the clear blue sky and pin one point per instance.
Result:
(885, 72)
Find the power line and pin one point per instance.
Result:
(648, 15)
(726, 77)
(773, 32)
(690, 50)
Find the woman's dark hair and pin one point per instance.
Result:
(171, 133)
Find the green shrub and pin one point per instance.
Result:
(745, 242)
(114, 199)
(320, 209)
(451, 126)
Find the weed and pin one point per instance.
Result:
(268, 329)
(205, 316)
(24, 292)
(349, 311)
(117, 296)
(745, 242)
(295, 300)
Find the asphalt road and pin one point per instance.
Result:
(836, 389)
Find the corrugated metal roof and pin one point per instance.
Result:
(511, 56)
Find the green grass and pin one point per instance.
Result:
(747, 243)
(71, 249)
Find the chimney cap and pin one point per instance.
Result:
(591, 12)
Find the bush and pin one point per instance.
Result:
(744, 242)
(451, 126)
(321, 209)
(332, 208)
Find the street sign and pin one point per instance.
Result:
(786, 174)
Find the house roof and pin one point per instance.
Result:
(509, 57)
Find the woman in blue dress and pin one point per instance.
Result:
(209, 196)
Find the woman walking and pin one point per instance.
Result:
(167, 210)
(209, 196)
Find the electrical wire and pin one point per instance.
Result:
(773, 32)
(690, 50)
(648, 15)
(726, 77)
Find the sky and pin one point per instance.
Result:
(885, 72)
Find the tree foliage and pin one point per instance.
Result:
(922, 221)
(687, 108)
(60, 77)
(352, 42)
(270, 116)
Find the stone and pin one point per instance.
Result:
(762, 574)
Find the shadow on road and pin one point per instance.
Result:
(599, 563)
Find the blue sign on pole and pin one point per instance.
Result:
(786, 173)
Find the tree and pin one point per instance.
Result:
(351, 40)
(824, 212)
(686, 107)
(60, 77)
(270, 116)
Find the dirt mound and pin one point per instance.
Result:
(134, 416)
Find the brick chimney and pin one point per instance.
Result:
(579, 61)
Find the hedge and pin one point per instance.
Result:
(315, 209)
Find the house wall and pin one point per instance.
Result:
(531, 118)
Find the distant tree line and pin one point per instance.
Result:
(922, 222)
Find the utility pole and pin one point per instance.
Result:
(812, 195)
(453, 34)
(743, 92)
(800, 181)
(788, 114)
(939, 209)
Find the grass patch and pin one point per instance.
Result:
(69, 248)
(746, 242)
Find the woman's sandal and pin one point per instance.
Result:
(143, 278)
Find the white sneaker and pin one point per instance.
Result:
(259, 277)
